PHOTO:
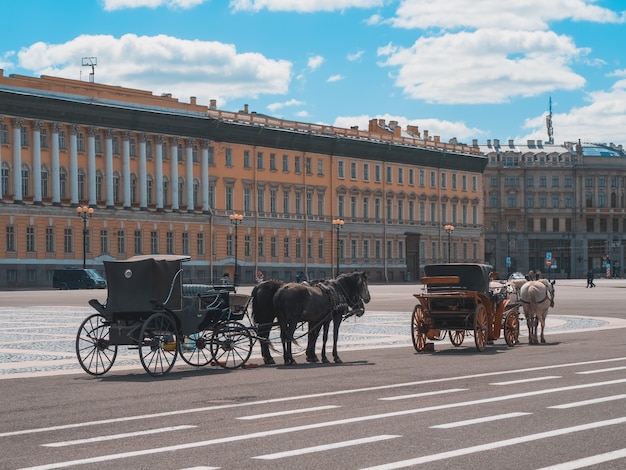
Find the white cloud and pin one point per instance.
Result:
(315, 62)
(529, 15)
(273, 107)
(335, 78)
(602, 120)
(355, 57)
(486, 66)
(435, 127)
(164, 64)
(112, 5)
(302, 6)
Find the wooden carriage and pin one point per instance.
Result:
(149, 309)
(460, 298)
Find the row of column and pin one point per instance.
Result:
(108, 170)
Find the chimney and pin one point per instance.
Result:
(496, 143)
(489, 143)
(354, 128)
(426, 135)
(245, 108)
(393, 123)
(413, 130)
(511, 143)
(397, 131)
(474, 142)
(192, 100)
(437, 139)
(213, 104)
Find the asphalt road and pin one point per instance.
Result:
(559, 405)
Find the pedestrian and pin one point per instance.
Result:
(260, 277)
(590, 282)
(530, 276)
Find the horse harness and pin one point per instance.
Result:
(547, 297)
(340, 300)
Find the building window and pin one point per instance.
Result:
(10, 238)
(30, 239)
(104, 242)
(285, 202)
(273, 247)
(353, 172)
(296, 165)
(228, 157)
(307, 164)
(185, 243)
(68, 242)
(433, 179)
(389, 174)
(137, 242)
(286, 248)
(261, 245)
(200, 243)
(320, 167)
(340, 170)
(272, 161)
(320, 204)
(121, 241)
(169, 243)
(154, 243)
(400, 175)
(259, 161)
(49, 240)
(444, 180)
(285, 163)
(377, 174)
(366, 171)
(43, 138)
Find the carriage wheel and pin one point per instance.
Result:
(418, 328)
(511, 328)
(95, 353)
(480, 327)
(194, 349)
(298, 346)
(231, 344)
(457, 337)
(158, 349)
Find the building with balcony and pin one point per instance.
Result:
(560, 209)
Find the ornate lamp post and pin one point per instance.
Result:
(235, 219)
(84, 213)
(337, 224)
(449, 229)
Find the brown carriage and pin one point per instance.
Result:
(148, 308)
(460, 298)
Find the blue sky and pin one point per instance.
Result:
(470, 69)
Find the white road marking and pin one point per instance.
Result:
(588, 461)
(498, 445)
(289, 412)
(523, 381)
(484, 419)
(599, 371)
(588, 402)
(300, 397)
(117, 436)
(424, 394)
(324, 447)
(357, 419)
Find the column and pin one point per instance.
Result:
(205, 178)
(143, 190)
(91, 162)
(159, 173)
(56, 167)
(17, 160)
(73, 166)
(126, 168)
(189, 160)
(108, 148)
(37, 163)
(174, 184)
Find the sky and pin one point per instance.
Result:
(464, 69)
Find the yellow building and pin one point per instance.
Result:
(164, 176)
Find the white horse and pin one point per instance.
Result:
(513, 287)
(537, 297)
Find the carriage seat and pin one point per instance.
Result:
(190, 290)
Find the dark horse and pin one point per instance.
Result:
(317, 305)
(264, 314)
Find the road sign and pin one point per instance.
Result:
(548, 255)
(508, 261)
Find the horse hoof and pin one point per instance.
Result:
(338, 361)
(269, 361)
(325, 361)
(292, 362)
(312, 359)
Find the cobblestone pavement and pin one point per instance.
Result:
(41, 340)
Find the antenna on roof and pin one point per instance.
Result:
(91, 62)
(549, 123)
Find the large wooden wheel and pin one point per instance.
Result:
(194, 349)
(158, 349)
(457, 337)
(481, 327)
(511, 328)
(419, 328)
(94, 350)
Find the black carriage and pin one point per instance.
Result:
(460, 298)
(149, 309)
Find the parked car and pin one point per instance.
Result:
(77, 279)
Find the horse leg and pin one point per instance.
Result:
(264, 334)
(543, 324)
(324, 341)
(312, 340)
(286, 336)
(336, 323)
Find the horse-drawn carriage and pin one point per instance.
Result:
(462, 298)
(147, 309)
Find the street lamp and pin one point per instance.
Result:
(235, 219)
(338, 223)
(84, 213)
(449, 229)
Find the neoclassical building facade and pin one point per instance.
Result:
(163, 176)
(560, 209)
